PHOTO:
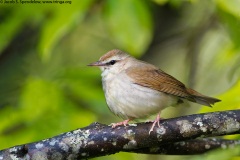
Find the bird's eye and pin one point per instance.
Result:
(112, 62)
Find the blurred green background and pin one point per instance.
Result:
(46, 87)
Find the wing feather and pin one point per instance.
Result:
(156, 79)
(148, 75)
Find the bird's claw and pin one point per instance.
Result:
(157, 120)
(125, 122)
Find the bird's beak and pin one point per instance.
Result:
(98, 63)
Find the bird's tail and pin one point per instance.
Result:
(201, 99)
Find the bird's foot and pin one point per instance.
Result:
(157, 120)
(125, 122)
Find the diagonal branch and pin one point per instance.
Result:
(99, 140)
(189, 147)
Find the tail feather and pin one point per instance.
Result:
(207, 101)
(201, 99)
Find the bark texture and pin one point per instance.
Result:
(175, 136)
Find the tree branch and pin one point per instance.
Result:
(190, 147)
(99, 140)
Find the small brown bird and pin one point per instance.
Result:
(136, 89)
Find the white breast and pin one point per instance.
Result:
(129, 100)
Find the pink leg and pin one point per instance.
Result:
(125, 122)
(154, 123)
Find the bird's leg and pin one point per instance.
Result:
(157, 120)
(125, 122)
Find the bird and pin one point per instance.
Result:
(135, 89)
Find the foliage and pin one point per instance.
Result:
(46, 88)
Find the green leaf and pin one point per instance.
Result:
(60, 21)
(11, 23)
(130, 24)
(39, 97)
(229, 13)
(231, 7)
(85, 88)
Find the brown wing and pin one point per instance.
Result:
(148, 75)
(156, 79)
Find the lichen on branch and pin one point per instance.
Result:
(178, 134)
